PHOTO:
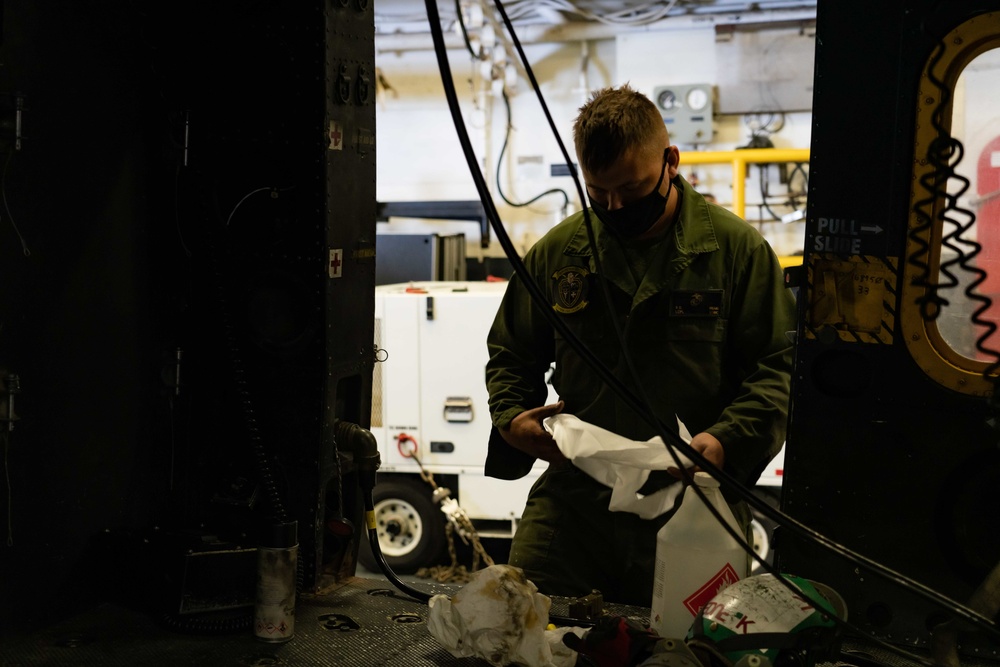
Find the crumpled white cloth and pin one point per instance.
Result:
(501, 617)
(619, 463)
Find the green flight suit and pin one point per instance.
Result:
(706, 332)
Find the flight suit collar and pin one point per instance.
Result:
(692, 235)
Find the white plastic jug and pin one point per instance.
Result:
(695, 559)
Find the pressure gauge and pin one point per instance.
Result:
(667, 100)
(697, 99)
(687, 110)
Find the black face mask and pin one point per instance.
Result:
(637, 217)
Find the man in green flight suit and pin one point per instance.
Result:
(700, 298)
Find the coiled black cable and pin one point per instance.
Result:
(261, 456)
(944, 153)
(262, 459)
(204, 625)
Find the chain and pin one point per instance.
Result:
(424, 473)
(457, 520)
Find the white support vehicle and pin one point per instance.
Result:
(429, 392)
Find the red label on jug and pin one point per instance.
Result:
(724, 577)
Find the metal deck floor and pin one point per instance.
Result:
(364, 623)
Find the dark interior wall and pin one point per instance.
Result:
(880, 457)
(78, 315)
(180, 198)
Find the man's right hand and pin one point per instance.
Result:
(527, 434)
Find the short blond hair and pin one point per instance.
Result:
(613, 121)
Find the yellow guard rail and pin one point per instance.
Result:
(739, 159)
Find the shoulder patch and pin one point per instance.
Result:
(571, 289)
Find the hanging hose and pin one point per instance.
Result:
(367, 462)
(419, 596)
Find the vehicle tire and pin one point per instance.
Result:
(411, 528)
(763, 528)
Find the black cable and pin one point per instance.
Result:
(766, 128)
(759, 139)
(642, 404)
(799, 167)
(764, 192)
(262, 458)
(624, 392)
(465, 32)
(792, 194)
(671, 439)
(943, 154)
(227, 624)
(800, 529)
(3, 195)
(488, 205)
(418, 596)
(506, 138)
(505, 242)
(930, 301)
(765, 195)
(643, 408)
(367, 461)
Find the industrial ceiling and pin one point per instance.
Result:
(406, 16)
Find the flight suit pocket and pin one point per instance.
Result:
(573, 377)
(688, 354)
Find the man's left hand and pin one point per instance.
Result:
(708, 446)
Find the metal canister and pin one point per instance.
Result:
(277, 564)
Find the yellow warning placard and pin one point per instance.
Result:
(854, 296)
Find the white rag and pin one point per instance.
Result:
(501, 617)
(620, 463)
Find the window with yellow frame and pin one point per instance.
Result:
(950, 310)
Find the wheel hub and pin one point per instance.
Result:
(761, 542)
(398, 526)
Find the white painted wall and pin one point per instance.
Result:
(419, 156)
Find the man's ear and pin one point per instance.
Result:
(673, 162)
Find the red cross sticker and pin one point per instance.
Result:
(336, 263)
(336, 136)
